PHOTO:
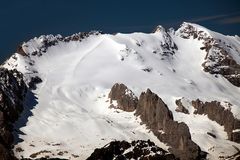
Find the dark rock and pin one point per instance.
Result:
(222, 116)
(33, 82)
(44, 158)
(135, 150)
(152, 110)
(1, 118)
(147, 69)
(211, 134)
(12, 93)
(180, 107)
(156, 115)
(6, 136)
(21, 51)
(202, 155)
(19, 149)
(235, 136)
(34, 155)
(129, 155)
(34, 53)
(5, 154)
(125, 98)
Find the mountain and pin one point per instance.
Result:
(177, 90)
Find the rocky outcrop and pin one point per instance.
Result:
(122, 150)
(126, 100)
(218, 59)
(20, 50)
(167, 47)
(216, 112)
(12, 93)
(33, 82)
(156, 115)
(46, 41)
(180, 107)
(44, 159)
(159, 119)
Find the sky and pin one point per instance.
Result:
(21, 20)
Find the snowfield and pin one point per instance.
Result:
(72, 113)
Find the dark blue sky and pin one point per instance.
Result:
(21, 20)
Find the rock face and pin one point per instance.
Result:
(44, 159)
(122, 150)
(12, 93)
(126, 100)
(20, 51)
(51, 40)
(168, 47)
(180, 107)
(156, 115)
(216, 112)
(33, 82)
(218, 59)
(159, 119)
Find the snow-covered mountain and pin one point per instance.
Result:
(175, 83)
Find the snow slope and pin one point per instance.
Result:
(72, 114)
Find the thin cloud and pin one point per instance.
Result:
(231, 20)
(222, 18)
(207, 18)
(214, 17)
(227, 17)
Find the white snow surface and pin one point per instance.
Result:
(72, 112)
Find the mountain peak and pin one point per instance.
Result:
(194, 25)
(159, 28)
